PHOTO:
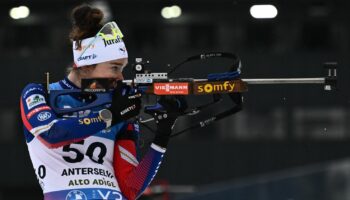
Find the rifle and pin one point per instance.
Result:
(159, 84)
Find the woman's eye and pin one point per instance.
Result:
(118, 68)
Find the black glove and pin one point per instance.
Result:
(125, 103)
(165, 112)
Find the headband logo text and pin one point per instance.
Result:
(111, 41)
(93, 56)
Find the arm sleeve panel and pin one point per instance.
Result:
(54, 131)
(133, 176)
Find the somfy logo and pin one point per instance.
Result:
(214, 87)
(88, 121)
(44, 116)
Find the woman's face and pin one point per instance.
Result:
(111, 69)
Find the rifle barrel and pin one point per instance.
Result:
(261, 81)
(285, 81)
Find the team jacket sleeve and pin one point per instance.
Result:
(40, 120)
(133, 176)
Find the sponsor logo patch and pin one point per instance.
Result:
(128, 109)
(44, 116)
(36, 110)
(214, 87)
(123, 50)
(88, 121)
(170, 88)
(88, 57)
(76, 195)
(34, 100)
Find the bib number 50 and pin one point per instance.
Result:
(89, 152)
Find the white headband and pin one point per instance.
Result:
(98, 49)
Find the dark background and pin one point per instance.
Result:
(282, 127)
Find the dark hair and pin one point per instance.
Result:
(87, 21)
